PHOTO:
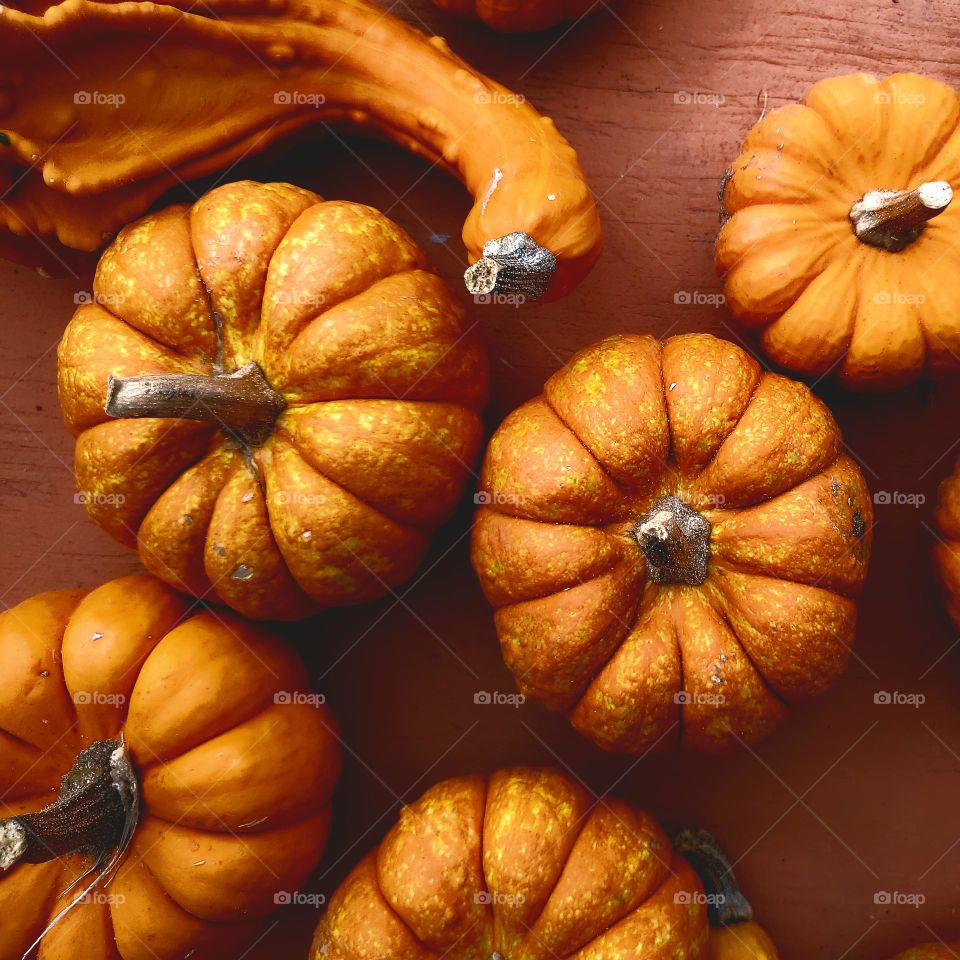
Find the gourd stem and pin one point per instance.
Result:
(726, 905)
(92, 814)
(513, 265)
(675, 540)
(893, 219)
(242, 403)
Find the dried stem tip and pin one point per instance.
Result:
(893, 219)
(513, 264)
(675, 540)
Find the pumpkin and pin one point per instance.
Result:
(946, 551)
(196, 770)
(100, 120)
(274, 399)
(522, 865)
(841, 238)
(672, 540)
(520, 16)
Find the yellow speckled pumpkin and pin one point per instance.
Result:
(273, 398)
(831, 248)
(672, 539)
(524, 865)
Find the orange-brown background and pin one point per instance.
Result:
(851, 798)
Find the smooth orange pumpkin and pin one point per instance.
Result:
(831, 250)
(946, 551)
(522, 865)
(101, 120)
(520, 16)
(293, 399)
(672, 539)
(214, 770)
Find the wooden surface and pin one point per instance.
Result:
(852, 798)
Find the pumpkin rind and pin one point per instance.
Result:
(823, 301)
(236, 772)
(381, 376)
(566, 478)
(523, 865)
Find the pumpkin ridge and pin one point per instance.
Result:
(298, 401)
(667, 469)
(280, 433)
(253, 465)
(46, 910)
(596, 804)
(719, 608)
(737, 568)
(581, 824)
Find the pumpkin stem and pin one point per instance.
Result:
(726, 905)
(514, 264)
(95, 812)
(675, 540)
(242, 403)
(893, 219)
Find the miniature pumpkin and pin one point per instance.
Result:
(841, 238)
(310, 396)
(672, 539)
(521, 865)
(197, 772)
(101, 120)
(520, 16)
(946, 552)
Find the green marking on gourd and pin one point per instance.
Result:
(4, 139)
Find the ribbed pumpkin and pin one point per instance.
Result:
(831, 249)
(520, 16)
(273, 398)
(99, 120)
(524, 865)
(672, 539)
(946, 551)
(191, 749)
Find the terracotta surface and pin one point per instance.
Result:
(852, 798)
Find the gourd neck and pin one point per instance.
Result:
(675, 540)
(726, 905)
(892, 219)
(243, 403)
(95, 812)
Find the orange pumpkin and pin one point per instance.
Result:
(831, 250)
(197, 772)
(273, 398)
(524, 865)
(946, 552)
(668, 532)
(100, 121)
(520, 16)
